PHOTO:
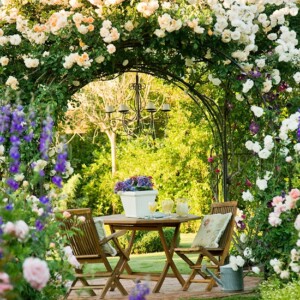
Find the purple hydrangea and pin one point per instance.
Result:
(134, 183)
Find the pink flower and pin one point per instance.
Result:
(21, 230)
(81, 219)
(66, 214)
(210, 159)
(295, 194)
(274, 219)
(4, 283)
(9, 228)
(277, 200)
(36, 272)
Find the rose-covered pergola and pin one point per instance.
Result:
(238, 60)
(239, 49)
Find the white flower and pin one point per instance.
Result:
(297, 223)
(262, 184)
(2, 149)
(272, 36)
(111, 48)
(247, 196)
(4, 60)
(288, 159)
(256, 270)
(297, 148)
(12, 82)
(247, 86)
(21, 230)
(160, 33)
(248, 252)
(285, 274)
(99, 59)
(264, 153)
(260, 62)
(243, 238)
(19, 177)
(15, 39)
(125, 62)
(258, 111)
(129, 26)
(297, 77)
(268, 142)
(249, 145)
(256, 147)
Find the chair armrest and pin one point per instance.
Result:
(112, 236)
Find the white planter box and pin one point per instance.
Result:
(136, 203)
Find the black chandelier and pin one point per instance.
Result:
(133, 120)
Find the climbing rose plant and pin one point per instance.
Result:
(246, 52)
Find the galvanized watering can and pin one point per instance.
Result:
(229, 280)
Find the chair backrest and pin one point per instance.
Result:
(85, 243)
(223, 208)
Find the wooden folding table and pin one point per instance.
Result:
(118, 222)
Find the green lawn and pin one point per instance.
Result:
(154, 262)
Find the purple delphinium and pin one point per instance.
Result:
(139, 292)
(57, 180)
(9, 206)
(44, 199)
(14, 185)
(39, 225)
(46, 137)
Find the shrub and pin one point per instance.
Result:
(148, 241)
(274, 289)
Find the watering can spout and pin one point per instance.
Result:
(205, 269)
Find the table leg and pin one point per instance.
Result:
(169, 256)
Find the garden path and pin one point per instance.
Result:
(171, 291)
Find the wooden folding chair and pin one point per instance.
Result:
(216, 256)
(88, 249)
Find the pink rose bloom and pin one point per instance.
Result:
(277, 200)
(295, 194)
(66, 214)
(36, 272)
(81, 219)
(297, 223)
(4, 283)
(210, 159)
(280, 207)
(274, 219)
(290, 202)
(9, 228)
(21, 230)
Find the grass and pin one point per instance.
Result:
(154, 262)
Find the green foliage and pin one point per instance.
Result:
(148, 241)
(274, 289)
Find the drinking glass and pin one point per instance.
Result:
(152, 208)
(167, 206)
(182, 208)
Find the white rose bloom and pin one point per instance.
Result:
(285, 274)
(268, 142)
(297, 77)
(99, 59)
(2, 149)
(260, 62)
(264, 153)
(288, 159)
(249, 145)
(272, 36)
(268, 175)
(256, 147)
(258, 111)
(247, 196)
(239, 97)
(129, 26)
(247, 86)
(297, 148)
(283, 136)
(256, 270)
(160, 33)
(21, 230)
(284, 151)
(262, 184)
(111, 48)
